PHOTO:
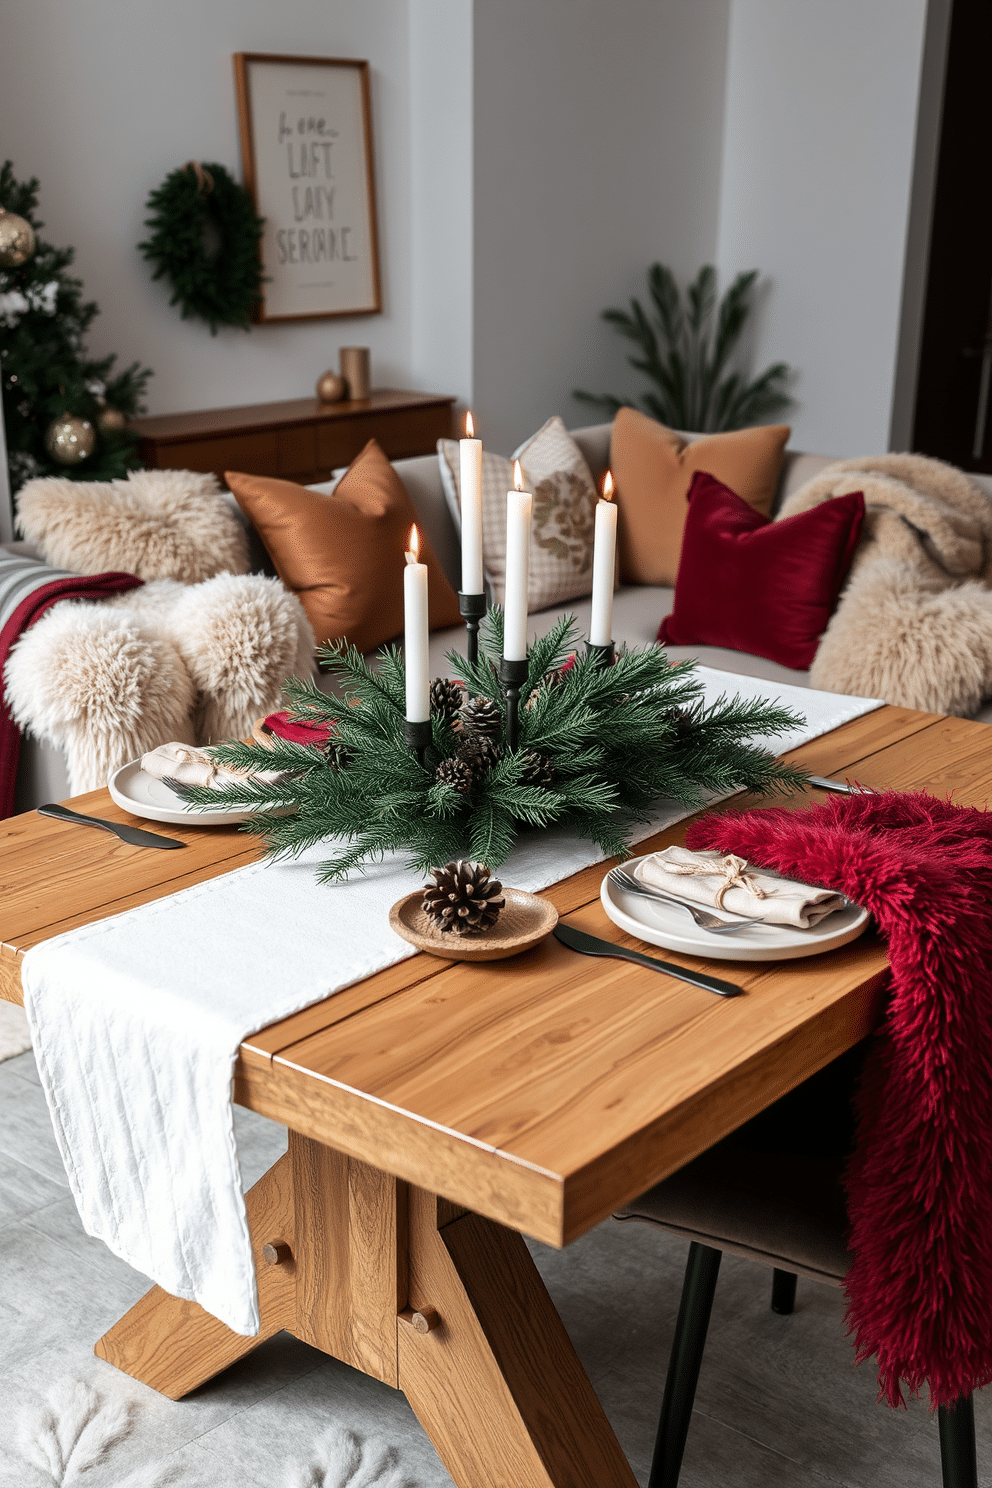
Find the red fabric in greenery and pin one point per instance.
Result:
(919, 1186)
(30, 610)
(296, 730)
(766, 588)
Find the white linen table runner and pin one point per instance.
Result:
(136, 1022)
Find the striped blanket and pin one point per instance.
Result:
(28, 588)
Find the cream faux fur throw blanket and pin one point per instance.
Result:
(914, 622)
(196, 663)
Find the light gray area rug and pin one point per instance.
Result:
(81, 1434)
(14, 1036)
(780, 1404)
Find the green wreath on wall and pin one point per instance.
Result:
(204, 241)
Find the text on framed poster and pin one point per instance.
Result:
(306, 145)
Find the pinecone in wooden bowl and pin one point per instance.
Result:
(462, 896)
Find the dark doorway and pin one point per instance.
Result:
(953, 413)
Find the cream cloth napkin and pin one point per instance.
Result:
(723, 881)
(192, 766)
(136, 1022)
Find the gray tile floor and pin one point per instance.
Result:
(779, 1404)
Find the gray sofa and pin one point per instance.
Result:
(637, 613)
(638, 609)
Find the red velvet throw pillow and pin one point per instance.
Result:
(766, 588)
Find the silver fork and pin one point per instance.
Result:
(702, 917)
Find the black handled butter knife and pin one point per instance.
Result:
(591, 945)
(134, 835)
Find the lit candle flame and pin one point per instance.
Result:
(469, 425)
(608, 486)
(413, 546)
(518, 476)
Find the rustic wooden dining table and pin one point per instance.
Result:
(438, 1111)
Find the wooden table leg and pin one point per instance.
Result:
(496, 1383)
(174, 1345)
(445, 1305)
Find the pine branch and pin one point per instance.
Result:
(549, 651)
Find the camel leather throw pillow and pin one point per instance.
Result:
(653, 467)
(765, 588)
(342, 553)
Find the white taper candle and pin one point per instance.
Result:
(604, 560)
(470, 482)
(416, 634)
(519, 504)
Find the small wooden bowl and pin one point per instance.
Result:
(524, 920)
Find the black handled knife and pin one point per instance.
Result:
(591, 945)
(134, 835)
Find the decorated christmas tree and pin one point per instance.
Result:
(65, 413)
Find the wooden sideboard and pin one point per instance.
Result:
(301, 440)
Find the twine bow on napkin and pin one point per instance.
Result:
(191, 766)
(737, 875)
(728, 882)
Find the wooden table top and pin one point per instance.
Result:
(541, 1091)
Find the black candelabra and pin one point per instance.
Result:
(472, 607)
(418, 736)
(513, 675)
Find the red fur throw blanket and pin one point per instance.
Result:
(920, 1184)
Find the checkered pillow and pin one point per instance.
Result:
(565, 496)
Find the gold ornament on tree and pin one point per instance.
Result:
(331, 388)
(17, 241)
(110, 420)
(70, 440)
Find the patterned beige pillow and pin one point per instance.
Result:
(565, 496)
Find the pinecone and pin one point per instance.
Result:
(462, 897)
(446, 697)
(479, 752)
(337, 756)
(538, 769)
(456, 773)
(482, 716)
(552, 679)
(681, 721)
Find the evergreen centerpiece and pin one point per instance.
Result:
(598, 746)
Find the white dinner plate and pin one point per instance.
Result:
(669, 926)
(140, 793)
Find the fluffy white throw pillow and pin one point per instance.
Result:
(158, 524)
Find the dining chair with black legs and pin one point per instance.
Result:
(755, 1195)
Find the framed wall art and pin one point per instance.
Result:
(306, 149)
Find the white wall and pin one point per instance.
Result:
(597, 151)
(817, 168)
(441, 187)
(101, 99)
